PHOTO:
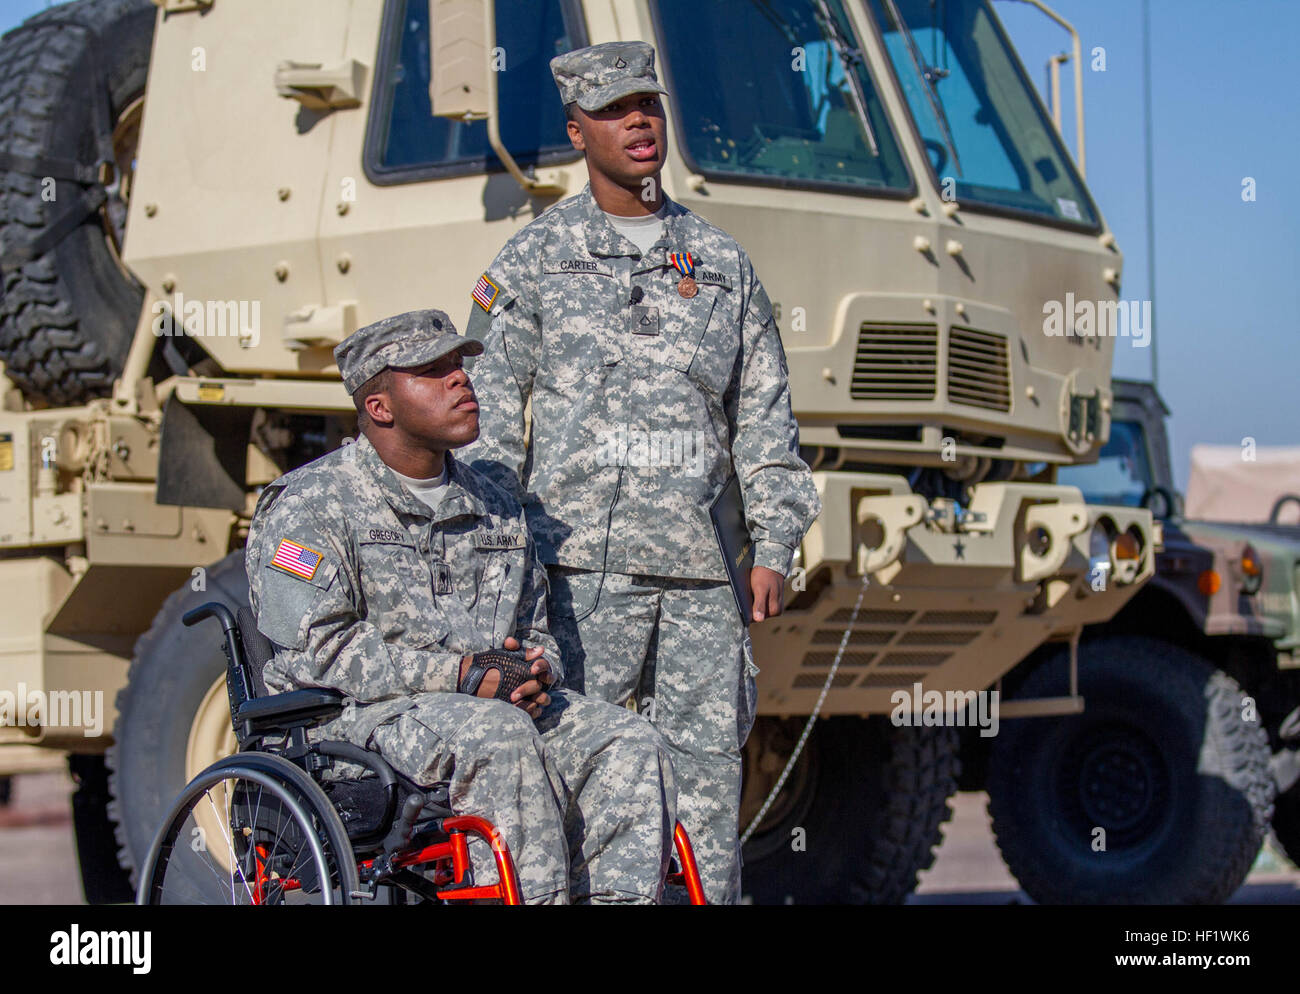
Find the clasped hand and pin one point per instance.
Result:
(532, 695)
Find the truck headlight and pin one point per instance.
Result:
(1099, 562)
(1252, 570)
(1126, 555)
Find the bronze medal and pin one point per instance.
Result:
(684, 263)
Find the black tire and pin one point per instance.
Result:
(173, 668)
(880, 794)
(1161, 758)
(1286, 823)
(68, 315)
(6, 790)
(103, 880)
(175, 871)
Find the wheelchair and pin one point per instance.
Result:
(264, 827)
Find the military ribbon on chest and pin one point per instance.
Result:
(685, 264)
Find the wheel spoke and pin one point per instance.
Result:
(274, 826)
(222, 821)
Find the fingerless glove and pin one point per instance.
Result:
(514, 669)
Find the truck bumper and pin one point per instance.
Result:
(949, 606)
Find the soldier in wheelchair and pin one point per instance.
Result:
(395, 690)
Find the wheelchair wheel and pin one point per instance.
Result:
(279, 840)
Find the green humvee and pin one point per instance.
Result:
(1162, 788)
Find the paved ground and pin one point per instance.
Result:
(38, 855)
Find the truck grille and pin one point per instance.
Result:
(978, 374)
(896, 362)
(889, 648)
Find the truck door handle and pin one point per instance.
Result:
(321, 87)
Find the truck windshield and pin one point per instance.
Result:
(811, 118)
(1121, 475)
(988, 140)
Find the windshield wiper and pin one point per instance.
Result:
(928, 77)
(850, 58)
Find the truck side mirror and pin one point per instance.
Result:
(463, 85)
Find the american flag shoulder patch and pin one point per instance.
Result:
(296, 559)
(484, 292)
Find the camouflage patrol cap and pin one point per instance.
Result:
(402, 341)
(600, 74)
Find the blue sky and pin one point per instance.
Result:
(1228, 272)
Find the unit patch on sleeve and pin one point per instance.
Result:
(296, 559)
(484, 292)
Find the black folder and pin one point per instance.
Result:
(728, 514)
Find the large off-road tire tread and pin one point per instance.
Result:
(873, 825)
(172, 669)
(103, 879)
(1286, 823)
(68, 316)
(1204, 852)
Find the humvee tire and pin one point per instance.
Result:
(68, 313)
(173, 674)
(103, 880)
(1286, 823)
(1161, 758)
(879, 795)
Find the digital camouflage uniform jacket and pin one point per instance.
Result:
(377, 616)
(621, 368)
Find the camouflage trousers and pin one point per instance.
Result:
(678, 650)
(584, 796)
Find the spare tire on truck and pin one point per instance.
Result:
(72, 83)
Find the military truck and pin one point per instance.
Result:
(1191, 689)
(202, 197)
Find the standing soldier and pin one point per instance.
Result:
(649, 352)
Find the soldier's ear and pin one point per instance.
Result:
(575, 136)
(378, 408)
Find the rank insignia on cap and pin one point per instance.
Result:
(296, 559)
(484, 292)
